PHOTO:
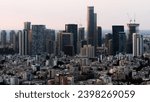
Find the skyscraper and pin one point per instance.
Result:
(73, 28)
(108, 43)
(38, 39)
(27, 32)
(12, 34)
(99, 36)
(81, 35)
(3, 38)
(91, 26)
(17, 42)
(122, 42)
(23, 42)
(116, 31)
(137, 44)
(95, 31)
(12, 40)
(65, 41)
(49, 41)
(20, 42)
(81, 38)
(132, 28)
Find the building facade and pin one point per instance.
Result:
(116, 29)
(137, 44)
(38, 39)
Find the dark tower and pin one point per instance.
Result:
(99, 36)
(81, 35)
(91, 26)
(116, 30)
(73, 28)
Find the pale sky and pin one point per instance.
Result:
(56, 13)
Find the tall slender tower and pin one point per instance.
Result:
(99, 36)
(91, 26)
(137, 44)
(23, 45)
(132, 28)
(27, 33)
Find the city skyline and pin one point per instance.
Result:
(55, 13)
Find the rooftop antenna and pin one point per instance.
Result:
(134, 18)
(130, 19)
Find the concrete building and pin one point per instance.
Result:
(132, 28)
(12, 35)
(28, 32)
(87, 51)
(137, 44)
(23, 42)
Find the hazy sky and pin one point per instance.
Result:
(56, 13)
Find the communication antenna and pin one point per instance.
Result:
(134, 18)
(130, 19)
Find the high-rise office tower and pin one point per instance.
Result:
(116, 29)
(99, 36)
(137, 44)
(23, 42)
(65, 43)
(91, 26)
(20, 41)
(3, 38)
(108, 36)
(27, 31)
(50, 47)
(95, 31)
(132, 28)
(29, 42)
(92, 34)
(81, 34)
(73, 28)
(38, 39)
(122, 42)
(81, 37)
(108, 43)
(49, 41)
(12, 39)
(11, 35)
